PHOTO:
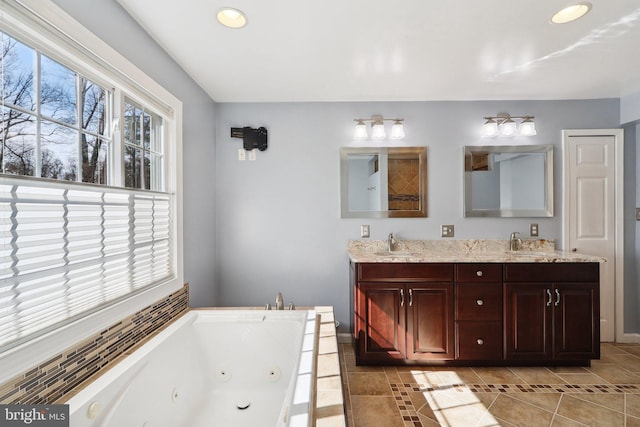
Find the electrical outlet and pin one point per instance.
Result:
(252, 155)
(364, 231)
(242, 154)
(447, 230)
(533, 230)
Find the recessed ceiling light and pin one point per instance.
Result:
(232, 18)
(571, 13)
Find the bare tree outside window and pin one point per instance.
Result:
(45, 134)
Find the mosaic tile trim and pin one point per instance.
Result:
(410, 416)
(49, 381)
(522, 388)
(405, 405)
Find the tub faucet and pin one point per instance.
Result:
(390, 242)
(279, 301)
(515, 241)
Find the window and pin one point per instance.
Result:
(54, 122)
(142, 148)
(89, 217)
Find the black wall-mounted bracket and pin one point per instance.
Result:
(251, 138)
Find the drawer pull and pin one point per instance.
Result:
(401, 297)
(410, 297)
(480, 341)
(479, 273)
(550, 297)
(557, 297)
(479, 302)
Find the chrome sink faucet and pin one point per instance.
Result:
(515, 241)
(390, 242)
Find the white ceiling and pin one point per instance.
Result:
(409, 50)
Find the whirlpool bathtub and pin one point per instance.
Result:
(210, 368)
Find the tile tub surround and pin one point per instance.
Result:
(531, 250)
(54, 379)
(605, 394)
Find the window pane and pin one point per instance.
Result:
(57, 91)
(18, 70)
(94, 159)
(147, 170)
(146, 126)
(18, 144)
(156, 134)
(132, 167)
(156, 173)
(93, 106)
(132, 124)
(59, 151)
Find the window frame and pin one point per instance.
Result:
(52, 31)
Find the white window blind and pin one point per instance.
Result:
(67, 249)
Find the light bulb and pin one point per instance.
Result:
(397, 130)
(361, 131)
(508, 128)
(378, 131)
(490, 128)
(232, 18)
(527, 127)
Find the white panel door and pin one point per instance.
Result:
(590, 204)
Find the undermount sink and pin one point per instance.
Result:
(397, 254)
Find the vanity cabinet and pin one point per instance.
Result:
(552, 311)
(403, 312)
(476, 313)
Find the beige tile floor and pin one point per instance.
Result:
(605, 394)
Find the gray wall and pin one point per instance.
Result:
(112, 24)
(255, 228)
(278, 219)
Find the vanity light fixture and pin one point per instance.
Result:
(231, 17)
(504, 125)
(378, 130)
(571, 13)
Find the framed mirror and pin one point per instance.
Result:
(383, 182)
(508, 181)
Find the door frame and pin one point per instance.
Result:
(618, 218)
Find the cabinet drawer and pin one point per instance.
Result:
(479, 273)
(552, 272)
(424, 272)
(481, 301)
(479, 340)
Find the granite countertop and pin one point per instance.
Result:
(530, 250)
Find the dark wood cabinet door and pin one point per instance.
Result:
(576, 310)
(382, 316)
(528, 321)
(430, 332)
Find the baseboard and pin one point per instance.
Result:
(344, 338)
(629, 338)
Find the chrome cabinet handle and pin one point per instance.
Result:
(479, 302)
(480, 341)
(557, 297)
(479, 273)
(410, 297)
(550, 298)
(401, 297)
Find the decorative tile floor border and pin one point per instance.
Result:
(410, 416)
(519, 388)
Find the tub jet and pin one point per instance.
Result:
(243, 405)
